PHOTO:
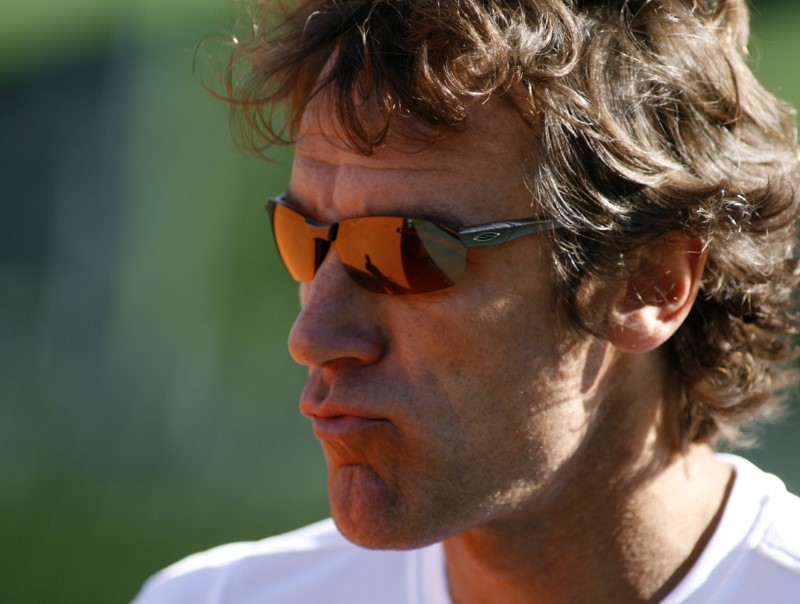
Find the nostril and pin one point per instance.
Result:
(337, 320)
(335, 335)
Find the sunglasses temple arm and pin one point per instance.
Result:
(496, 233)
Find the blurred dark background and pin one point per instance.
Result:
(147, 403)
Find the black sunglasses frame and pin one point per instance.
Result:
(480, 235)
(371, 278)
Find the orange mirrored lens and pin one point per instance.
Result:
(295, 245)
(392, 255)
(399, 255)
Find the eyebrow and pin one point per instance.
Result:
(384, 165)
(415, 211)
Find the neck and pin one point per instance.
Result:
(599, 549)
(624, 523)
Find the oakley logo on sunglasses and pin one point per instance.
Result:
(485, 237)
(388, 254)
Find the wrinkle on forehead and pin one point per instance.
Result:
(321, 139)
(316, 149)
(461, 173)
(322, 115)
(327, 175)
(487, 119)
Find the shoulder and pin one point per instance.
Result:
(770, 566)
(775, 534)
(754, 555)
(779, 543)
(311, 564)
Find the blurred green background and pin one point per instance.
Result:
(147, 403)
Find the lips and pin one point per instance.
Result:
(344, 427)
(332, 420)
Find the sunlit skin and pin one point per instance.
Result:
(473, 415)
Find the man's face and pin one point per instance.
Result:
(442, 412)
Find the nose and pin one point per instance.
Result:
(337, 322)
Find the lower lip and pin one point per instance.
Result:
(343, 426)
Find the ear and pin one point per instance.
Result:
(658, 295)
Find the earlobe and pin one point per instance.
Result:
(658, 295)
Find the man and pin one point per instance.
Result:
(522, 411)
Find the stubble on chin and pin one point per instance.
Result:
(367, 509)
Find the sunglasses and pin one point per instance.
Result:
(388, 254)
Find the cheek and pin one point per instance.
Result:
(506, 342)
(499, 379)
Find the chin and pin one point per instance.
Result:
(380, 536)
(372, 514)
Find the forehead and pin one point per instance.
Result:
(462, 172)
(491, 123)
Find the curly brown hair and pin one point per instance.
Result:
(647, 121)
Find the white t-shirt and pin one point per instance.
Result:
(752, 558)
